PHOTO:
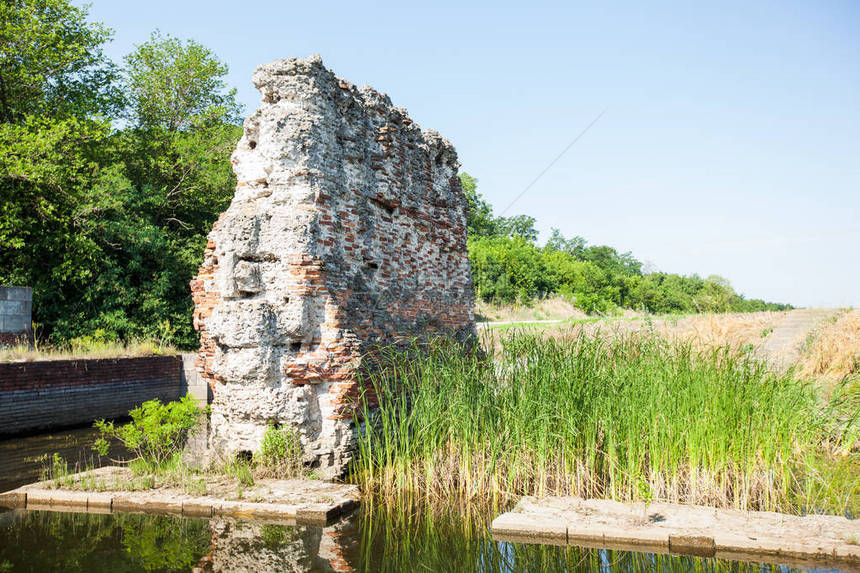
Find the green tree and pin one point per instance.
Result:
(175, 86)
(557, 242)
(174, 180)
(52, 64)
(481, 222)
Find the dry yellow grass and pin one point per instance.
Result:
(737, 330)
(24, 353)
(704, 331)
(555, 308)
(835, 349)
(712, 330)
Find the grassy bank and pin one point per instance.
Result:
(628, 417)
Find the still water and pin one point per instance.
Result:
(373, 539)
(45, 541)
(19, 457)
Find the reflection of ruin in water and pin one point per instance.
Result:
(240, 547)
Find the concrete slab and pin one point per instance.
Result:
(295, 501)
(195, 509)
(99, 502)
(13, 500)
(525, 526)
(687, 530)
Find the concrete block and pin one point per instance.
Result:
(13, 500)
(197, 509)
(317, 514)
(12, 307)
(19, 293)
(273, 511)
(16, 323)
(69, 499)
(617, 537)
(142, 505)
(99, 502)
(698, 545)
(528, 527)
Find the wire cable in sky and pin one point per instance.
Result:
(553, 162)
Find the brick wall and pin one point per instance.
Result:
(59, 393)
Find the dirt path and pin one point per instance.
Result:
(783, 346)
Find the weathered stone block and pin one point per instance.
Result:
(13, 500)
(347, 232)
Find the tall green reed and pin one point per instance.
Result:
(621, 416)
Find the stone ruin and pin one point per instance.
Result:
(347, 233)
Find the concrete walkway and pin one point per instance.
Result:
(814, 540)
(783, 346)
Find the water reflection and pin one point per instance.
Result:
(19, 463)
(373, 540)
(46, 541)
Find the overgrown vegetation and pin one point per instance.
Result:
(156, 436)
(280, 452)
(509, 266)
(626, 416)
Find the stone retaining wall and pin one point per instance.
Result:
(60, 393)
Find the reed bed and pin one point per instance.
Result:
(629, 416)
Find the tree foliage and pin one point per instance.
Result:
(51, 62)
(174, 86)
(108, 225)
(508, 266)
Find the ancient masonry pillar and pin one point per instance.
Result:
(347, 231)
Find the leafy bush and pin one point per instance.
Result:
(156, 432)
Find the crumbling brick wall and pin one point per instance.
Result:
(347, 232)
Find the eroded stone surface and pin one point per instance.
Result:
(347, 231)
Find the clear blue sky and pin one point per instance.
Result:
(730, 145)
